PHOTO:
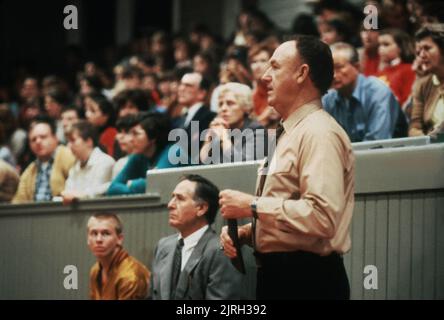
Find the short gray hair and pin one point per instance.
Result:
(242, 93)
(351, 51)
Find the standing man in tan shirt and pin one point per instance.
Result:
(305, 196)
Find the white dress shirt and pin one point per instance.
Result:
(191, 112)
(189, 243)
(94, 178)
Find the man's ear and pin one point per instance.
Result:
(120, 239)
(356, 65)
(202, 94)
(302, 73)
(90, 142)
(202, 209)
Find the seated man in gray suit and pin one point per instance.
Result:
(190, 265)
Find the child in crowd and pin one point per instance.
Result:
(397, 52)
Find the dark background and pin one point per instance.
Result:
(34, 41)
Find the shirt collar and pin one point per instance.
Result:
(93, 158)
(120, 255)
(192, 240)
(356, 91)
(39, 163)
(192, 111)
(435, 80)
(395, 62)
(301, 113)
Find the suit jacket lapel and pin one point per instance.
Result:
(196, 256)
(166, 268)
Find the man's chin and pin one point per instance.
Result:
(100, 254)
(171, 223)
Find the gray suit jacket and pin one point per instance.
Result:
(208, 274)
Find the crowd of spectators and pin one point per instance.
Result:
(387, 84)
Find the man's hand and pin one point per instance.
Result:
(70, 196)
(235, 204)
(227, 244)
(218, 128)
(436, 130)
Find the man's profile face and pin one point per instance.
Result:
(103, 239)
(42, 141)
(188, 93)
(182, 207)
(345, 73)
(280, 75)
(79, 147)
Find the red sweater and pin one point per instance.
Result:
(260, 98)
(370, 64)
(400, 79)
(107, 140)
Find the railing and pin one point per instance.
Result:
(397, 227)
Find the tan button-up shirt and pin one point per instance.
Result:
(308, 196)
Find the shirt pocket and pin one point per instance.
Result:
(281, 167)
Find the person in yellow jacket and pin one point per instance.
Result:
(45, 177)
(116, 275)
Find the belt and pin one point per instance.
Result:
(279, 258)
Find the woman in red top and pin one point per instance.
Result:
(397, 51)
(100, 112)
(258, 56)
(368, 55)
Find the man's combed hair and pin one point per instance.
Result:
(205, 191)
(353, 56)
(317, 55)
(85, 130)
(205, 84)
(42, 118)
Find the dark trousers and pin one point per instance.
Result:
(301, 275)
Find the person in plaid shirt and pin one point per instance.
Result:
(44, 178)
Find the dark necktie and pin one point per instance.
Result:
(184, 118)
(177, 264)
(279, 131)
